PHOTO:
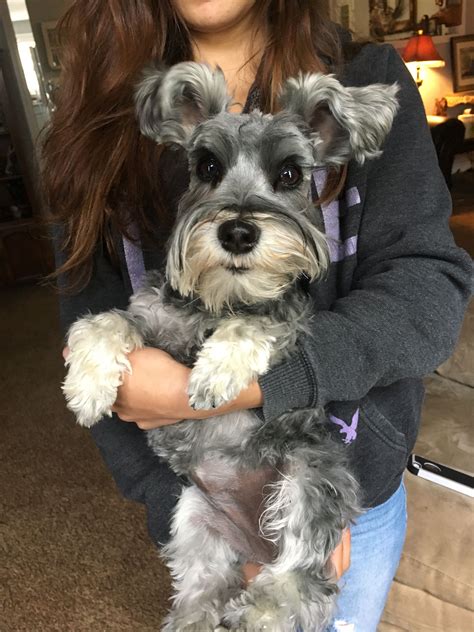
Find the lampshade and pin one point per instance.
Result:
(421, 50)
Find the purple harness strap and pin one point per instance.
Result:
(338, 250)
(134, 260)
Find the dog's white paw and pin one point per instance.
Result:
(270, 604)
(226, 365)
(98, 349)
(201, 621)
(261, 616)
(211, 387)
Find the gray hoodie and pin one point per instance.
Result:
(388, 313)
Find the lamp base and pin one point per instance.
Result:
(418, 79)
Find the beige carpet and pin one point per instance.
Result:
(74, 555)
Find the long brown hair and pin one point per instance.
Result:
(96, 165)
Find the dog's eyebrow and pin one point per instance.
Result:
(219, 141)
(280, 148)
(294, 158)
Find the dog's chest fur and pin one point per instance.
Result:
(180, 326)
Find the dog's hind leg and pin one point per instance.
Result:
(305, 515)
(204, 568)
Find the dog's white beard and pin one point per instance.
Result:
(219, 287)
(265, 273)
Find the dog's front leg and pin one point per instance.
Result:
(234, 356)
(98, 349)
(204, 568)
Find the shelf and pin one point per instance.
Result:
(10, 178)
(17, 224)
(437, 39)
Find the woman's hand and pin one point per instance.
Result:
(340, 559)
(155, 393)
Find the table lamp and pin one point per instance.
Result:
(420, 51)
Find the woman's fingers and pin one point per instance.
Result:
(145, 424)
(250, 570)
(157, 423)
(341, 557)
(346, 550)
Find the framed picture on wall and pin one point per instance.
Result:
(451, 13)
(343, 12)
(51, 44)
(388, 17)
(462, 53)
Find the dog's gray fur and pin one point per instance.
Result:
(231, 316)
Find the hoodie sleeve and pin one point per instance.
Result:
(402, 317)
(139, 474)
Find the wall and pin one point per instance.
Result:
(438, 81)
(45, 11)
(18, 89)
(19, 103)
(361, 24)
(470, 17)
(22, 27)
(423, 7)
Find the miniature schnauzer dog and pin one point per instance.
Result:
(231, 306)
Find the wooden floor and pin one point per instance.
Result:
(462, 220)
(463, 192)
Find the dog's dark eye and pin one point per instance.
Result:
(289, 176)
(209, 169)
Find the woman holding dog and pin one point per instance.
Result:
(388, 313)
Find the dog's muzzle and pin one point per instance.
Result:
(238, 237)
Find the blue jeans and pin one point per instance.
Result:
(377, 543)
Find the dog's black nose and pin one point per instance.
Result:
(238, 237)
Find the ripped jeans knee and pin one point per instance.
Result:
(343, 626)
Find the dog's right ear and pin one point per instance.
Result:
(171, 102)
(346, 122)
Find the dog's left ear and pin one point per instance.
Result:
(345, 122)
(170, 102)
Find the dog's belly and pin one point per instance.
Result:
(219, 457)
(236, 499)
(187, 444)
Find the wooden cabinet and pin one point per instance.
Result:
(25, 251)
